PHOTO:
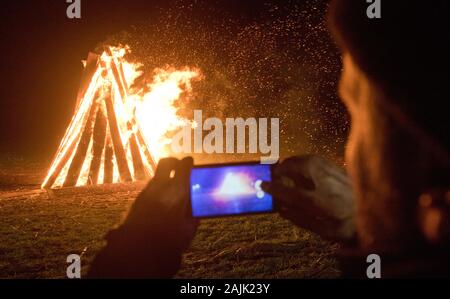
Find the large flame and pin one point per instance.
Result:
(156, 109)
(151, 108)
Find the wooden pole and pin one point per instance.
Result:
(121, 84)
(81, 152)
(122, 75)
(138, 165)
(86, 78)
(108, 163)
(119, 77)
(98, 139)
(119, 151)
(143, 145)
(51, 180)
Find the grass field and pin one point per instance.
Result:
(38, 232)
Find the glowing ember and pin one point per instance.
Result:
(118, 133)
(156, 112)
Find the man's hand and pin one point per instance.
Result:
(314, 194)
(163, 207)
(156, 231)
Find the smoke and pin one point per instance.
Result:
(277, 61)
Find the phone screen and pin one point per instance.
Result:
(230, 190)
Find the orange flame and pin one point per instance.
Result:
(154, 113)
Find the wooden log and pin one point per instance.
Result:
(108, 161)
(119, 151)
(121, 84)
(122, 75)
(57, 170)
(138, 165)
(137, 142)
(82, 148)
(143, 145)
(98, 139)
(119, 77)
(92, 62)
(86, 78)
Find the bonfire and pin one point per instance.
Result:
(119, 130)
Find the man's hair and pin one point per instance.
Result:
(406, 53)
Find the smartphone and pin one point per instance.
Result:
(230, 189)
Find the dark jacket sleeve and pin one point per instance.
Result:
(128, 256)
(422, 261)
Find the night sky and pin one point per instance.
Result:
(260, 59)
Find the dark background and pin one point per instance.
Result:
(40, 71)
(42, 49)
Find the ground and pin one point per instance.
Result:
(38, 231)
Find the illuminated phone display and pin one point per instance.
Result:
(230, 190)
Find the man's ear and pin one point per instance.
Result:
(434, 216)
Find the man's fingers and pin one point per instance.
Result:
(183, 170)
(295, 164)
(296, 169)
(182, 175)
(161, 177)
(287, 196)
(296, 180)
(181, 181)
(165, 167)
